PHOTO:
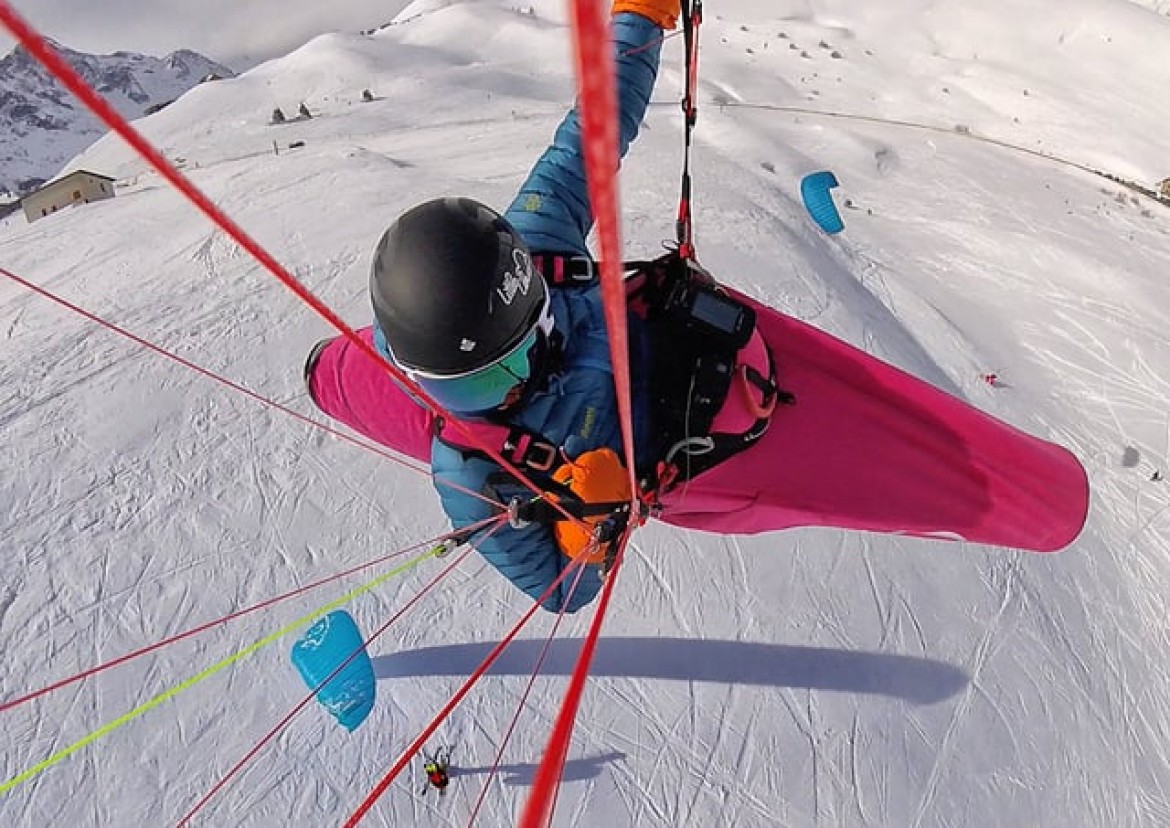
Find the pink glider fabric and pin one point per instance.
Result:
(866, 447)
(350, 387)
(869, 447)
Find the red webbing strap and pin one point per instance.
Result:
(597, 107)
(692, 17)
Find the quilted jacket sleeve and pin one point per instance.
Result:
(552, 211)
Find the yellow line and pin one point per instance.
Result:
(215, 668)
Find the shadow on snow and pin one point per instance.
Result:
(913, 679)
(576, 770)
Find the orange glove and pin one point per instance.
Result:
(663, 12)
(596, 476)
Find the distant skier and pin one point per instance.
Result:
(436, 768)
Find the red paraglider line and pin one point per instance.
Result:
(598, 112)
(381, 452)
(520, 705)
(538, 811)
(412, 750)
(92, 671)
(58, 67)
(158, 349)
(597, 109)
(303, 703)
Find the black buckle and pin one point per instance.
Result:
(575, 275)
(540, 456)
(569, 271)
(527, 449)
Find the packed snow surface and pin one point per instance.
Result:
(803, 678)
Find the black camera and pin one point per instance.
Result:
(708, 312)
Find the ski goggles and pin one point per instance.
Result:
(495, 386)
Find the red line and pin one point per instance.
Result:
(484, 666)
(272, 734)
(42, 52)
(92, 671)
(522, 702)
(200, 370)
(379, 450)
(538, 811)
(598, 107)
(593, 50)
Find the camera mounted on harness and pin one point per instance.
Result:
(712, 376)
(712, 381)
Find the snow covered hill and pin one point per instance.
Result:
(1160, 6)
(803, 678)
(44, 126)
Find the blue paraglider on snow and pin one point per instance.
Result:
(325, 646)
(814, 191)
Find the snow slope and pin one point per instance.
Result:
(804, 678)
(43, 124)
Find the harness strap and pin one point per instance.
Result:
(541, 510)
(560, 270)
(564, 270)
(749, 376)
(521, 447)
(528, 449)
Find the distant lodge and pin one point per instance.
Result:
(78, 187)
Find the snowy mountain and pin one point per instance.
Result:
(45, 127)
(803, 678)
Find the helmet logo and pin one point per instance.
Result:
(517, 281)
(467, 345)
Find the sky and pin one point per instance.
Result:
(237, 34)
(805, 677)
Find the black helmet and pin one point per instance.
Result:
(454, 289)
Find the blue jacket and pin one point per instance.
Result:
(578, 409)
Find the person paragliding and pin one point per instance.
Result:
(745, 420)
(437, 767)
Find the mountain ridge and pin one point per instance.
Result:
(48, 126)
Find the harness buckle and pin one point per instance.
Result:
(517, 517)
(540, 456)
(527, 449)
(590, 270)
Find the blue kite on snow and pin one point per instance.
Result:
(814, 191)
(329, 643)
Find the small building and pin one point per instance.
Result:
(78, 187)
(1164, 190)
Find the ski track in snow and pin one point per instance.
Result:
(143, 500)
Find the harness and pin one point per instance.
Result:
(712, 376)
(712, 381)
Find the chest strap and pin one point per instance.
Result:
(521, 447)
(566, 271)
(561, 270)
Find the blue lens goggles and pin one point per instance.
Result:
(488, 388)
